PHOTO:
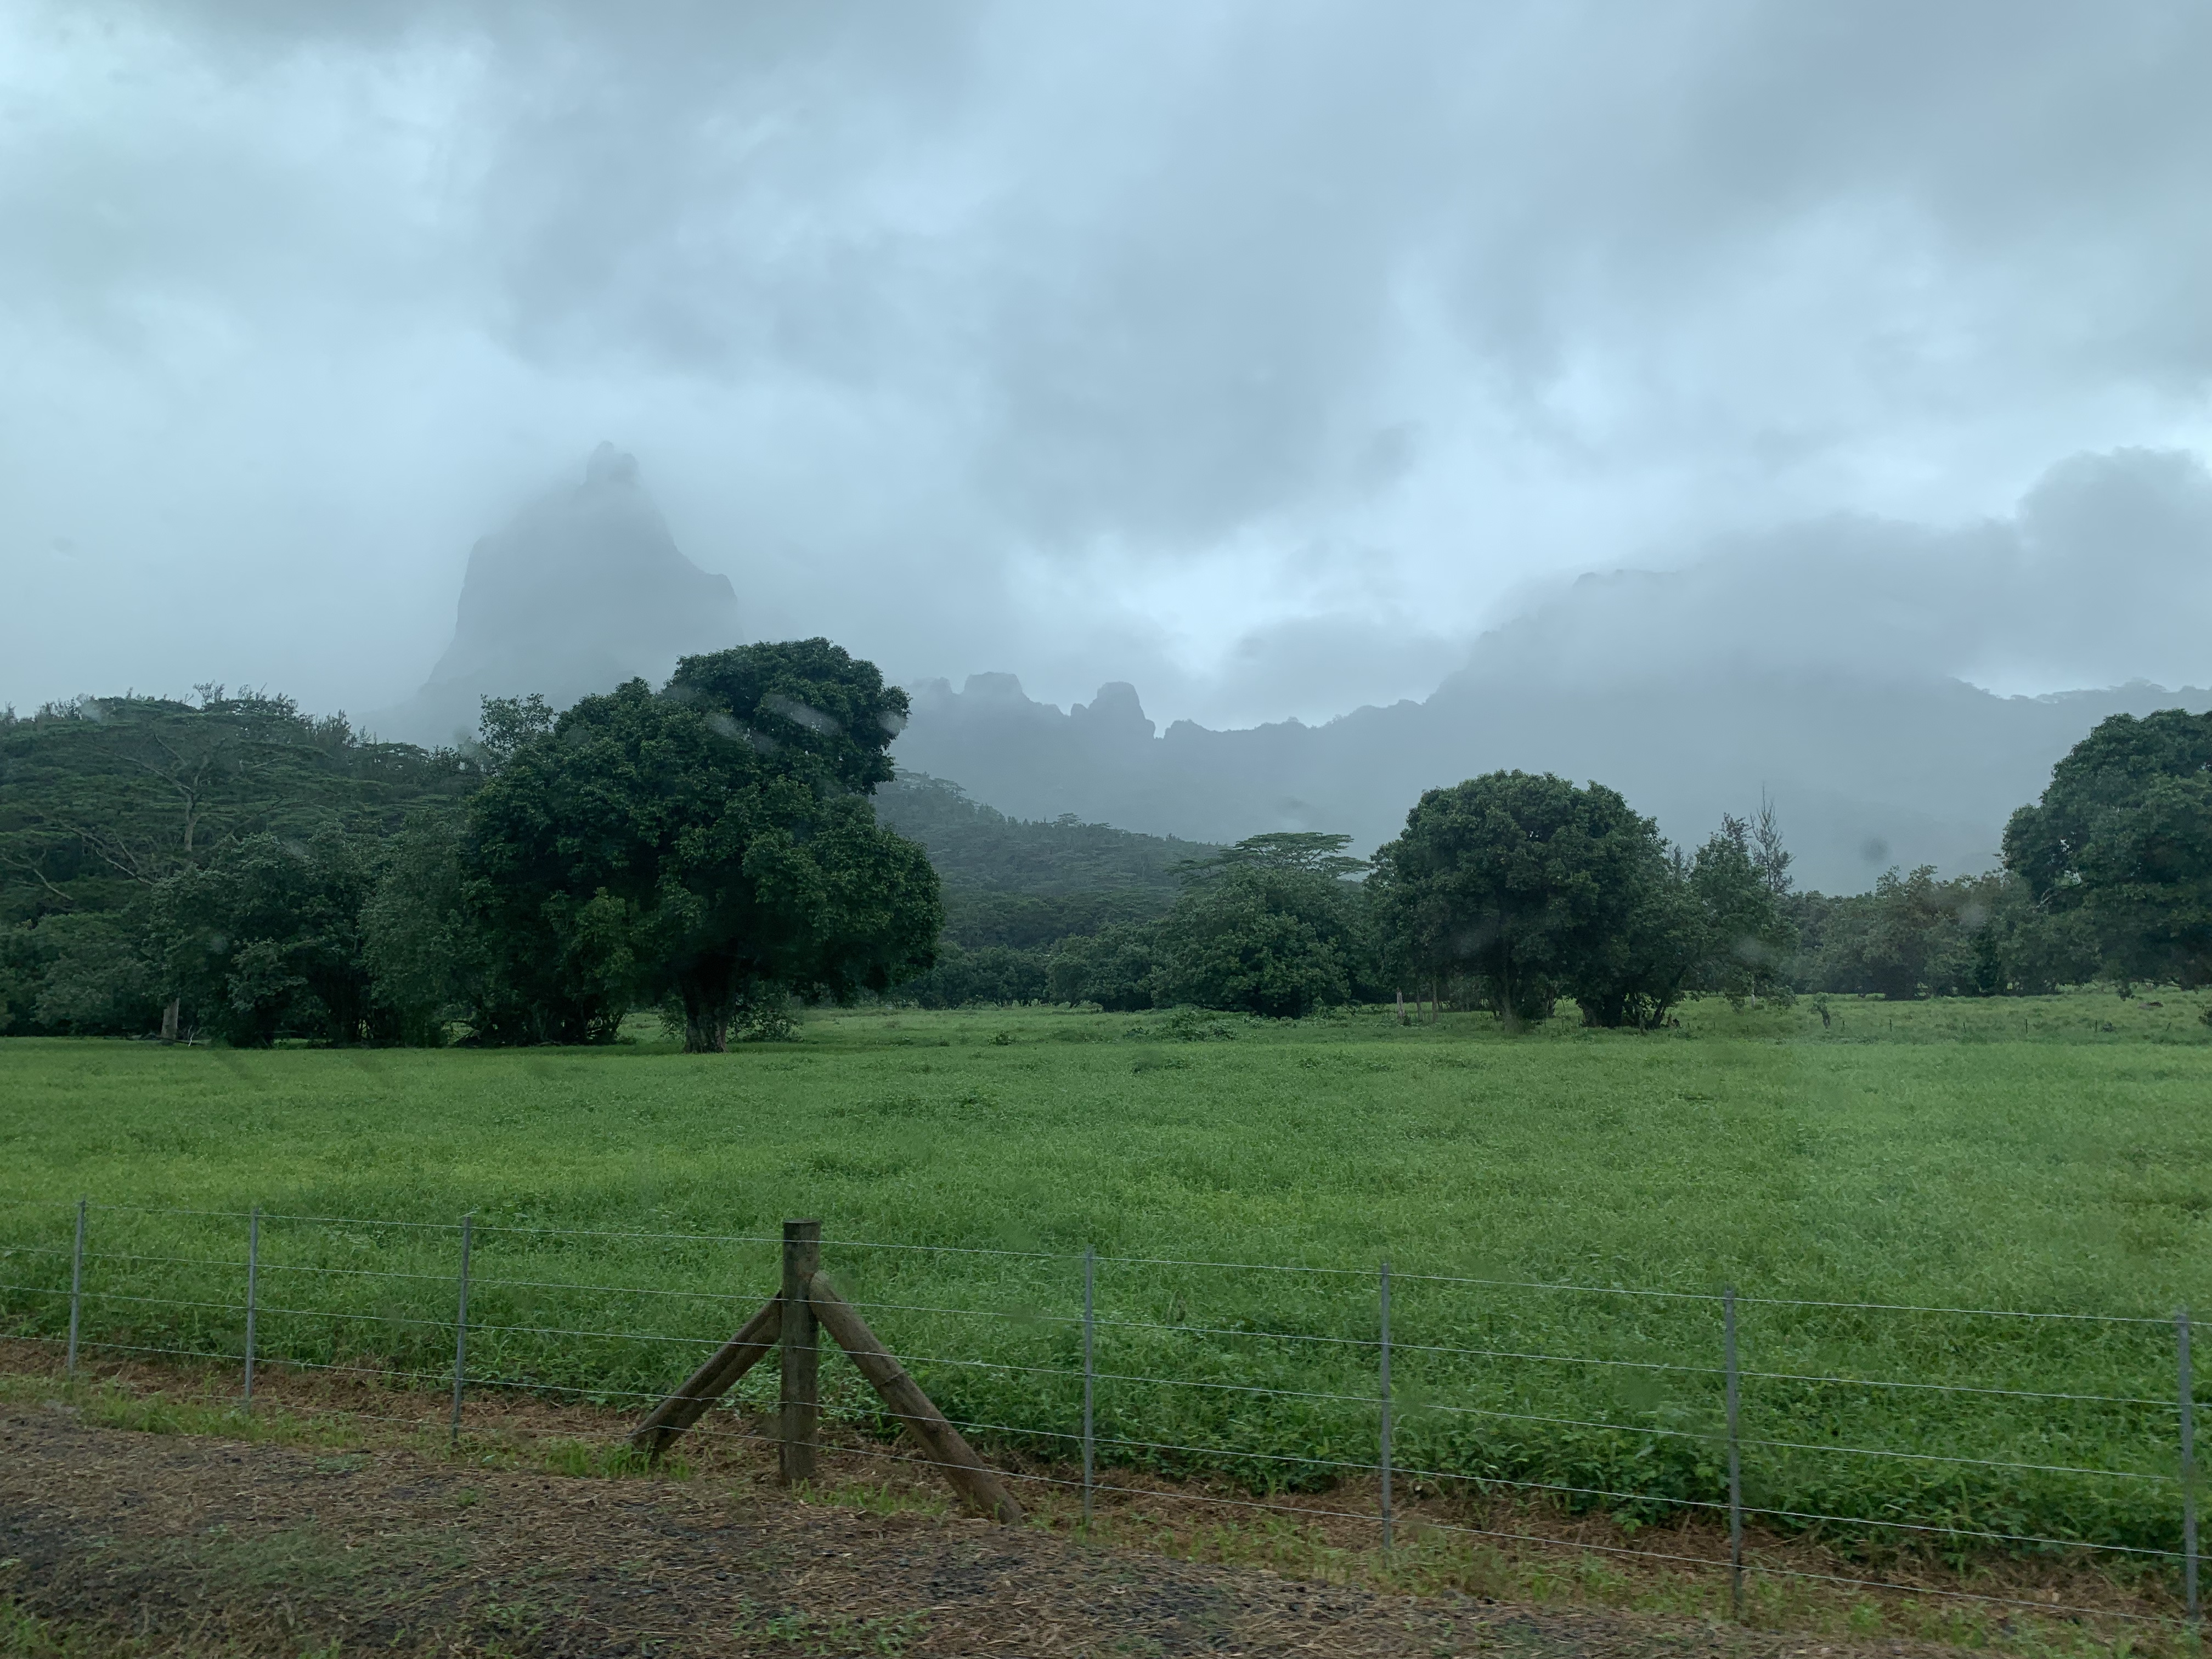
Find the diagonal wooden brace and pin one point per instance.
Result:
(967, 1473)
(753, 1343)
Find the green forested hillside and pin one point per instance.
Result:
(103, 800)
(1013, 888)
(977, 846)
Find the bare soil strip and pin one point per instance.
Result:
(129, 1541)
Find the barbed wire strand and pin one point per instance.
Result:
(91, 1295)
(422, 1277)
(1188, 1382)
(617, 1232)
(1171, 1261)
(623, 1289)
(188, 1353)
(1028, 1317)
(356, 1221)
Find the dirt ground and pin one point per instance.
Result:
(115, 1540)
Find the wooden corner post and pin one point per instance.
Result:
(792, 1322)
(801, 1394)
(953, 1458)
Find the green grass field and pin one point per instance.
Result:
(2045, 1155)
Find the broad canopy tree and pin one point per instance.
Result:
(1532, 887)
(2123, 838)
(707, 846)
(1536, 889)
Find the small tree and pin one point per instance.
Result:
(264, 940)
(1268, 926)
(1113, 967)
(426, 953)
(1740, 879)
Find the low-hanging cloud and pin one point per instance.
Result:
(2102, 574)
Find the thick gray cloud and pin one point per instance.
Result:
(1261, 355)
(2101, 575)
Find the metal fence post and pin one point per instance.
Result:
(1090, 1276)
(77, 1286)
(2188, 1402)
(252, 1287)
(461, 1328)
(1735, 1457)
(1383, 1377)
(800, 1403)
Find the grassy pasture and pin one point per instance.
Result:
(2046, 1155)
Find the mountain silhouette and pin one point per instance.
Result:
(585, 589)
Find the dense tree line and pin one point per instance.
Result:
(2107, 877)
(233, 867)
(1514, 892)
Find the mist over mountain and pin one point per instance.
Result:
(584, 589)
(1853, 670)
(1840, 668)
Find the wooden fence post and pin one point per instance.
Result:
(801, 1395)
(754, 1341)
(792, 1321)
(953, 1457)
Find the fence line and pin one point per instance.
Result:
(1562, 1287)
(1028, 1317)
(1125, 1377)
(1443, 1477)
(1383, 1408)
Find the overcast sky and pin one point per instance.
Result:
(1259, 354)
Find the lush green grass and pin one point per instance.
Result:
(2004, 1155)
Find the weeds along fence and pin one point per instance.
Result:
(1930, 1430)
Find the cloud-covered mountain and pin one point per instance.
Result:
(1830, 666)
(585, 589)
(1852, 669)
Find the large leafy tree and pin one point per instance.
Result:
(709, 847)
(819, 712)
(1534, 889)
(2123, 835)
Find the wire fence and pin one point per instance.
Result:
(2060, 1435)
